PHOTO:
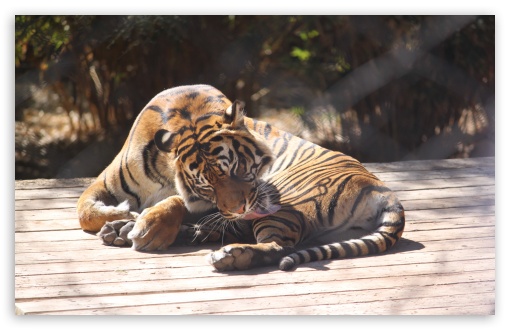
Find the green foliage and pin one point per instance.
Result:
(298, 111)
(40, 37)
(302, 54)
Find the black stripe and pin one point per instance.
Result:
(108, 190)
(131, 174)
(358, 248)
(397, 208)
(184, 113)
(318, 212)
(151, 150)
(267, 130)
(236, 144)
(250, 154)
(146, 153)
(163, 115)
(216, 151)
(300, 145)
(206, 135)
(192, 95)
(162, 178)
(259, 225)
(335, 156)
(313, 255)
(184, 183)
(125, 186)
(324, 253)
(283, 148)
(348, 250)
(364, 191)
(387, 240)
(214, 99)
(203, 128)
(190, 152)
(371, 245)
(393, 224)
(334, 199)
(335, 253)
(325, 151)
(208, 115)
(271, 237)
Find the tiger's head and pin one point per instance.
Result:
(220, 163)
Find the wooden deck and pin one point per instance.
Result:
(445, 263)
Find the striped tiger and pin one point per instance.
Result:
(264, 191)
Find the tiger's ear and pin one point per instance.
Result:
(234, 114)
(164, 140)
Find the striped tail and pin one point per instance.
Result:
(386, 235)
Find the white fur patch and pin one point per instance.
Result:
(228, 112)
(166, 137)
(110, 209)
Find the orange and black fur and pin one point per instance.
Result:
(193, 151)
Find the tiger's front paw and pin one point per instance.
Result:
(116, 232)
(231, 257)
(155, 230)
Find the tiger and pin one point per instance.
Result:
(260, 191)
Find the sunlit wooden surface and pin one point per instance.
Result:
(445, 263)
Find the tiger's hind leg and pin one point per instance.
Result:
(247, 256)
(272, 245)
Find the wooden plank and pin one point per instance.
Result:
(449, 202)
(45, 225)
(135, 260)
(470, 304)
(45, 204)
(50, 236)
(436, 184)
(452, 212)
(431, 165)
(471, 308)
(171, 293)
(62, 214)
(52, 183)
(344, 298)
(202, 271)
(49, 193)
(461, 173)
(150, 287)
(404, 195)
(124, 284)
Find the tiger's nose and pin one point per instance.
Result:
(241, 209)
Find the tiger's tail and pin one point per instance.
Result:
(382, 239)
